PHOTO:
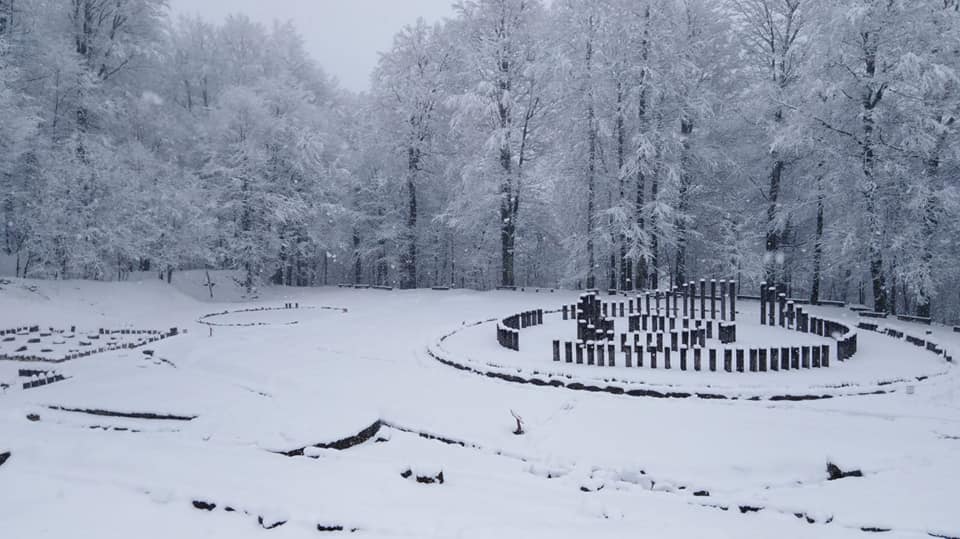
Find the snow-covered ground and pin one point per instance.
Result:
(207, 419)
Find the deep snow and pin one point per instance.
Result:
(590, 465)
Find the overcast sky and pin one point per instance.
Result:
(343, 35)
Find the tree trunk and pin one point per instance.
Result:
(641, 282)
(626, 267)
(591, 169)
(872, 94)
(683, 204)
(508, 198)
(818, 246)
(773, 260)
(409, 259)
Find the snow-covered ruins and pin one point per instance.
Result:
(479, 269)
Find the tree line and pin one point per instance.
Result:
(613, 143)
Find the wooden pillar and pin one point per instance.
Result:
(740, 360)
(666, 358)
(762, 360)
(763, 303)
(703, 298)
(685, 291)
(728, 360)
(556, 350)
(723, 299)
(693, 299)
(805, 357)
(713, 299)
(771, 307)
(774, 359)
(732, 286)
(568, 351)
(753, 360)
(825, 355)
(628, 356)
(683, 359)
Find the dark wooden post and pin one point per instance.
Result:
(753, 360)
(805, 358)
(732, 286)
(600, 355)
(815, 353)
(568, 351)
(762, 360)
(556, 350)
(775, 359)
(703, 298)
(628, 356)
(580, 346)
(713, 299)
(693, 299)
(782, 308)
(772, 306)
(723, 299)
(825, 355)
(666, 358)
(728, 360)
(653, 358)
(683, 359)
(740, 359)
(686, 298)
(763, 303)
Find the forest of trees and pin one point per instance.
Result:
(602, 143)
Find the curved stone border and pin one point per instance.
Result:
(508, 329)
(894, 333)
(289, 306)
(640, 389)
(342, 444)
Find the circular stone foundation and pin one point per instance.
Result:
(881, 365)
(288, 315)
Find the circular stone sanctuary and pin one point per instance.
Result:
(688, 342)
(287, 315)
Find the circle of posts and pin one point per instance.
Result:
(670, 329)
(205, 319)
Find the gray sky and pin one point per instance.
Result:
(343, 35)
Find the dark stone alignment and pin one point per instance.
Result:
(343, 444)
(128, 415)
